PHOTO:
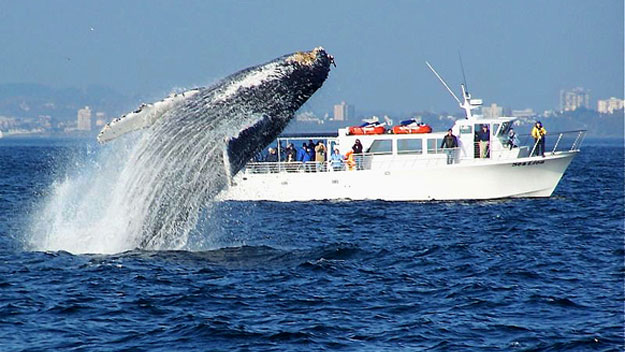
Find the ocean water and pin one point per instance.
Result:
(522, 274)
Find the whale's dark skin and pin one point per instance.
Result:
(190, 152)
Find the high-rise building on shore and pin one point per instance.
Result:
(492, 111)
(84, 119)
(608, 106)
(343, 112)
(526, 113)
(571, 100)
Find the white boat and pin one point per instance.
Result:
(414, 167)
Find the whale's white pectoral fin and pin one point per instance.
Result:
(143, 117)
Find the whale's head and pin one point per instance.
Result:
(268, 95)
(309, 71)
(284, 83)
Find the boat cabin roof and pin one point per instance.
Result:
(459, 126)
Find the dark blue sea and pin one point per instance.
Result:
(519, 274)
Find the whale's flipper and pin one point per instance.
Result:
(249, 142)
(143, 117)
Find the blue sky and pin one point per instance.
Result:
(516, 53)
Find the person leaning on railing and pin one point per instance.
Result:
(450, 142)
(336, 160)
(538, 133)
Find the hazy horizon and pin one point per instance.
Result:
(516, 53)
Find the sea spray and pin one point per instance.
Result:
(130, 195)
(77, 214)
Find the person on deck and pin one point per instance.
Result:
(320, 156)
(307, 160)
(538, 133)
(513, 140)
(449, 144)
(291, 153)
(272, 159)
(272, 156)
(337, 160)
(311, 149)
(483, 139)
(301, 152)
(357, 148)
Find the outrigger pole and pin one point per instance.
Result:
(443, 82)
(468, 104)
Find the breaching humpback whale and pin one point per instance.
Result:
(194, 142)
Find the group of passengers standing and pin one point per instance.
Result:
(482, 137)
(317, 154)
(311, 152)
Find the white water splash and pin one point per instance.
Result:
(81, 212)
(135, 192)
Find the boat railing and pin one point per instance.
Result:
(558, 142)
(266, 167)
(555, 143)
(358, 162)
(527, 146)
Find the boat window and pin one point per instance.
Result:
(505, 128)
(466, 129)
(434, 145)
(381, 147)
(495, 128)
(410, 146)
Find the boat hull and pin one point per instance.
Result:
(527, 177)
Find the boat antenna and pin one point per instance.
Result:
(443, 82)
(464, 78)
(468, 104)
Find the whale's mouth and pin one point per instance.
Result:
(310, 57)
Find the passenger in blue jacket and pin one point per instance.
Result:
(301, 152)
(307, 160)
(337, 160)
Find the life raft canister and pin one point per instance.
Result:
(367, 130)
(412, 129)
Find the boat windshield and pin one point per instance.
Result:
(503, 130)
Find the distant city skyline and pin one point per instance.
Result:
(517, 54)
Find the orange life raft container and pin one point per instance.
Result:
(358, 130)
(411, 129)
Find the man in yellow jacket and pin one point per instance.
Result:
(538, 133)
